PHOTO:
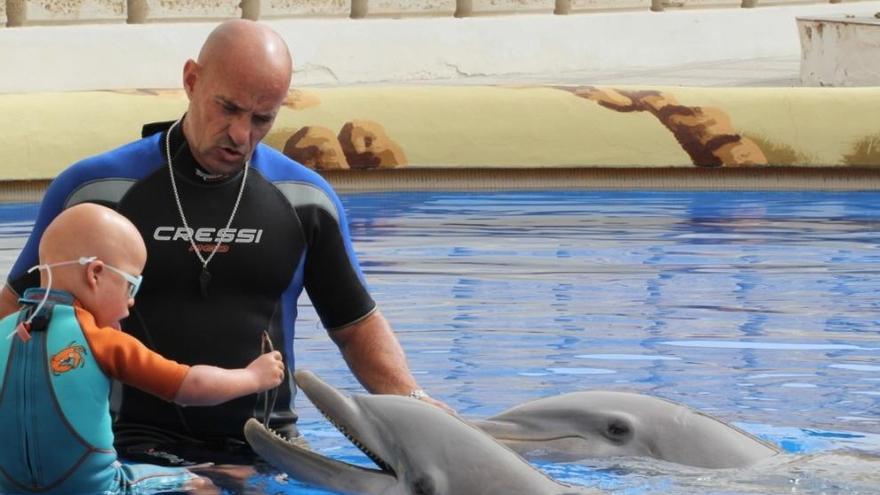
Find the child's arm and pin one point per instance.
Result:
(209, 385)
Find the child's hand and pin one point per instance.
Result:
(268, 369)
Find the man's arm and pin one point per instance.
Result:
(374, 355)
(338, 292)
(8, 301)
(376, 358)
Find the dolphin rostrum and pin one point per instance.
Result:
(418, 448)
(592, 424)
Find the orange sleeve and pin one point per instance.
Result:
(128, 360)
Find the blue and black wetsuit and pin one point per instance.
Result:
(289, 234)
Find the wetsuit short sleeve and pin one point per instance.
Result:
(327, 268)
(333, 278)
(126, 359)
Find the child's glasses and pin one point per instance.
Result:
(134, 282)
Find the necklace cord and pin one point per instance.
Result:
(189, 231)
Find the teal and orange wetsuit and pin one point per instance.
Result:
(54, 402)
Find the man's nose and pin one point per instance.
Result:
(240, 129)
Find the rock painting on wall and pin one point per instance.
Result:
(360, 144)
(705, 133)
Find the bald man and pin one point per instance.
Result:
(235, 231)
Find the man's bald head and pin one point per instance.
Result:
(235, 91)
(250, 47)
(92, 230)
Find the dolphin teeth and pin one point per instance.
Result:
(369, 453)
(298, 441)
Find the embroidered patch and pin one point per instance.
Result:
(69, 358)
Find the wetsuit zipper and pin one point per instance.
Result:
(28, 348)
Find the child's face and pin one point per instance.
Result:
(113, 297)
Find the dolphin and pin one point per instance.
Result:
(593, 424)
(418, 449)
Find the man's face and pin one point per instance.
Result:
(230, 111)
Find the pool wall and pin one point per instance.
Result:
(418, 135)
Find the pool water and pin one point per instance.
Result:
(758, 308)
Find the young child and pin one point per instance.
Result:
(59, 352)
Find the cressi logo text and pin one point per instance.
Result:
(208, 235)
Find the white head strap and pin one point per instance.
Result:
(83, 260)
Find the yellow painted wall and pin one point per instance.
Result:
(479, 126)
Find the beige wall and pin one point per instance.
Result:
(41, 12)
(511, 6)
(411, 7)
(304, 8)
(163, 9)
(584, 5)
(99, 10)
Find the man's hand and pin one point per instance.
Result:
(442, 405)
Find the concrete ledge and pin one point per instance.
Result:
(840, 51)
(345, 51)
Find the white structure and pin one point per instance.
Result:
(343, 51)
(840, 51)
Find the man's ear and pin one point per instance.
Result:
(191, 71)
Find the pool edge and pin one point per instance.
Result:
(765, 178)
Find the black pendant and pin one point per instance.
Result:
(204, 280)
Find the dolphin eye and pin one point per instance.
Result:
(618, 430)
(424, 486)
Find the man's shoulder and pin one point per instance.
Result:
(129, 160)
(107, 176)
(278, 167)
(300, 185)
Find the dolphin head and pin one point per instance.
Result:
(418, 449)
(594, 424)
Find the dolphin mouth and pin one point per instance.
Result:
(383, 466)
(313, 468)
(340, 411)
